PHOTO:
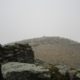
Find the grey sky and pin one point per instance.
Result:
(23, 19)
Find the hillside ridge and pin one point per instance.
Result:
(55, 50)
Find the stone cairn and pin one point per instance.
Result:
(16, 53)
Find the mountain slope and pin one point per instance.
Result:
(56, 50)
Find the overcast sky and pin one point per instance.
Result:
(24, 19)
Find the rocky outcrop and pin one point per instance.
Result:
(24, 71)
(18, 63)
(16, 53)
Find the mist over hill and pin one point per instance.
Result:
(55, 50)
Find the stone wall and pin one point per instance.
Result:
(16, 53)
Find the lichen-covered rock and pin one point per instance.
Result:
(63, 69)
(24, 71)
(27, 71)
(77, 75)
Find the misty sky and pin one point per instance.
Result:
(24, 19)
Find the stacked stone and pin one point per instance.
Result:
(16, 53)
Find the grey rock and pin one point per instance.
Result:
(16, 53)
(24, 71)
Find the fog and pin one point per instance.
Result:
(25, 19)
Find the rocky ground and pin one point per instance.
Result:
(18, 62)
(26, 71)
(55, 50)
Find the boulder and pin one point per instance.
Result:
(24, 71)
(29, 71)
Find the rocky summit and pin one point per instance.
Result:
(40, 59)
